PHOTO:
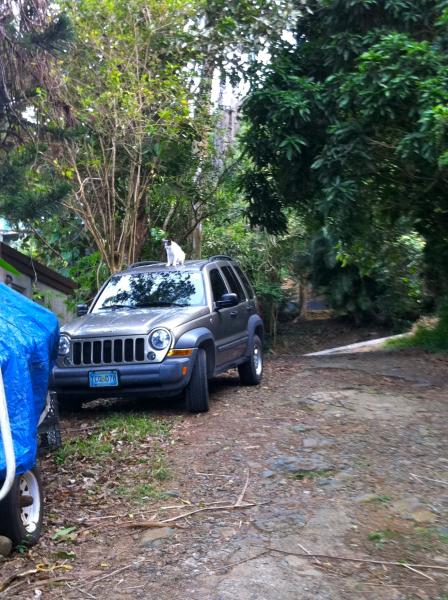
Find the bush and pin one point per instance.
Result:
(430, 337)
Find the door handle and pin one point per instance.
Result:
(233, 314)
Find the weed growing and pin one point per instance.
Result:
(125, 448)
(140, 493)
(302, 474)
(430, 337)
(81, 448)
(114, 434)
(380, 499)
(381, 537)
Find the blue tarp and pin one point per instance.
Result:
(29, 337)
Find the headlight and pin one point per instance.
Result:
(64, 345)
(160, 339)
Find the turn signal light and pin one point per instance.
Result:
(180, 352)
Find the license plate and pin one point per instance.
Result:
(103, 378)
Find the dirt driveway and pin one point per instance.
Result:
(340, 457)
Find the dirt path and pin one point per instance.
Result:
(342, 456)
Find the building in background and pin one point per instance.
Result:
(36, 281)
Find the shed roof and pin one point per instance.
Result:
(36, 270)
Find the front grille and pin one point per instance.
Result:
(108, 351)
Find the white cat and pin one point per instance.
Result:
(174, 253)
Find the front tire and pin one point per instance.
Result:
(68, 404)
(251, 371)
(196, 393)
(21, 512)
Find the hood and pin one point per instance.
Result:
(122, 322)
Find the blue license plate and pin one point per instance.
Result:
(103, 378)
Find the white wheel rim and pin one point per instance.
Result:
(258, 360)
(29, 488)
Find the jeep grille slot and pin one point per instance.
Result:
(118, 351)
(77, 353)
(108, 351)
(97, 352)
(86, 353)
(140, 349)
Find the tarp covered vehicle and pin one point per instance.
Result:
(29, 337)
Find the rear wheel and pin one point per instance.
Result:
(196, 393)
(251, 371)
(21, 511)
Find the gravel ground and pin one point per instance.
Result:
(341, 457)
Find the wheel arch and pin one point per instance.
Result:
(200, 337)
(255, 326)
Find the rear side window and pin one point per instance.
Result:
(246, 283)
(234, 284)
(217, 284)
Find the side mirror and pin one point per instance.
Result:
(82, 309)
(227, 300)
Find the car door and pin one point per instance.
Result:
(223, 322)
(238, 315)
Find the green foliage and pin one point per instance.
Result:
(27, 191)
(431, 337)
(112, 432)
(90, 273)
(270, 261)
(232, 34)
(32, 36)
(131, 427)
(383, 285)
(349, 127)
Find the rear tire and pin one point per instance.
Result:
(196, 393)
(21, 512)
(251, 371)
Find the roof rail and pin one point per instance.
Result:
(145, 263)
(219, 257)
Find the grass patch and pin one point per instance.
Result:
(381, 537)
(140, 493)
(159, 470)
(127, 448)
(432, 337)
(79, 448)
(381, 499)
(119, 429)
(303, 474)
(130, 427)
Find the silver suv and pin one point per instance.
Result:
(154, 330)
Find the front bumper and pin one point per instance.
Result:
(167, 378)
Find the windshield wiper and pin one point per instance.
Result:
(114, 306)
(149, 304)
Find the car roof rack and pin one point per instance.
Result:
(219, 257)
(145, 263)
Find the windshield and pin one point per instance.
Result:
(146, 290)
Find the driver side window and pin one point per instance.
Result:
(217, 283)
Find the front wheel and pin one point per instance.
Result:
(251, 371)
(21, 512)
(196, 393)
(68, 404)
